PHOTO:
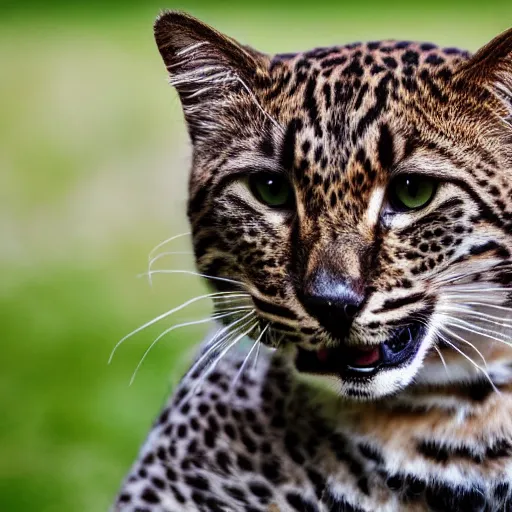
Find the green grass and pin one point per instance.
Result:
(93, 160)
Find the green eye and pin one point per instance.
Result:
(411, 191)
(271, 189)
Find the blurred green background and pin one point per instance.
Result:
(93, 168)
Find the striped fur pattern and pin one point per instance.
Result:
(340, 124)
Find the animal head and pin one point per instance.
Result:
(360, 196)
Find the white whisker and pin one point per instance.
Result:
(192, 273)
(442, 360)
(258, 349)
(213, 365)
(153, 260)
(460, 338)
(173, 328)
(495, 320)
(161, 244)
(487, 305)
(215, 342)
(475, 329)
(471, 361)
(161, 317)
(247, 358)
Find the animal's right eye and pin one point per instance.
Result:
(272, 189)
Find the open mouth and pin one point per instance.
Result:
(363, 361)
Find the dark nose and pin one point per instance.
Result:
(334, 302)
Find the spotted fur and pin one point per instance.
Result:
(431, 433)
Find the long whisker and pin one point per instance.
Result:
(215, 343)
(161, 244)
(466, 311)
(209, 351)
(475, 329)
(247, 358)
(227, 300)
(457, 288)
(192, 273)
(460, 338)
(213, 365)
(173, 328)
(471, 361)
(465, 274)
(153, 260)
(487, 305)
(162, 316)
(442, 360)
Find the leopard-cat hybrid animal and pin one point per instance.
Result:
(355, 204)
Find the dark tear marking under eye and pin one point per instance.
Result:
(288, 149)
(386, 148)
(273, 309)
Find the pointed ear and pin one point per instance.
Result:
(206, 67)
(491, 67)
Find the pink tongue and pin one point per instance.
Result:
(366, 357)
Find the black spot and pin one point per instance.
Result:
(171, 474)
(177, 494)
(433, 450)
(339, 503)
(260, 490)
(244, 463)
(410, 58)
(209, 438)
(197, 482)
(203, 409)
(390, 62)
(158, 483)
(236, 492)
(335, 61)
(479, 391)
(444, 498)
(371, 453)
(182, 431)
(149, 496)
(434, 60)
(300, 504)
(271, 471)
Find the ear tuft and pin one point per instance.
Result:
(204, 65)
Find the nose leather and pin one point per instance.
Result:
(333, 301)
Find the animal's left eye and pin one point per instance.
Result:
(411, 191)
(272, 189)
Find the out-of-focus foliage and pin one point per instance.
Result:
(93, 170)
